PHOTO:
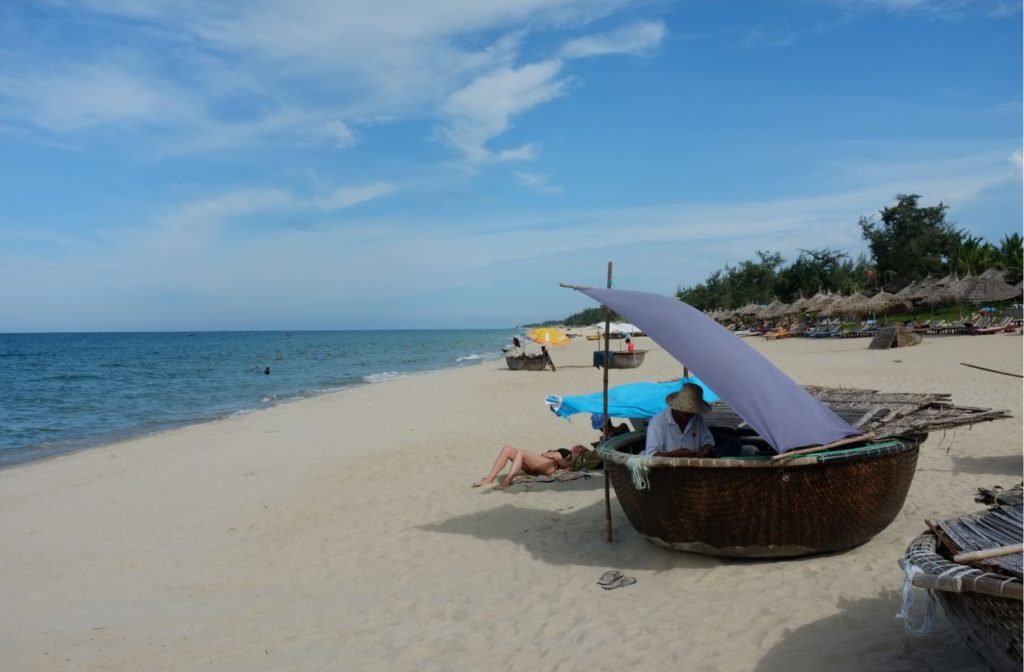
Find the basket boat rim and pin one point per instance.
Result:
(954, 577)
(875, 448)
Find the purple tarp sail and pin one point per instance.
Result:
(781, 411)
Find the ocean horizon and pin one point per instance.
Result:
(61, 391)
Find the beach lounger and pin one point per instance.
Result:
(1003, 325)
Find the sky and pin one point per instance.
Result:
(334, 164)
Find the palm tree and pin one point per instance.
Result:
(1011, 257)
(972, 255)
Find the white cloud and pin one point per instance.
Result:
(536, 182)
(232, 272)
(345, 197)
(86, 95)
(1017, 160)
(939, 9)
(338, 131)
(760, 38)
(483, 109)
(635, 39)
(237, 74)
(527, 152)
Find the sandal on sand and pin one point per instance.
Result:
(609, 577)
(620, 582)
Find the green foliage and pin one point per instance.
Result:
(821, 270)
(589, 316)
(763, 280)
(1011, 257)
(912, 242)
(971, 255)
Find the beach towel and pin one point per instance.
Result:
(560, 476)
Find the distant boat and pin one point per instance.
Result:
(621, 360)
(526, 362)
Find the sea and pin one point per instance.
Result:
(65, 392)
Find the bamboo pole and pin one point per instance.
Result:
(971, 556)
(1008, 589)
(1005, 373)
(605, 422)
(817, 449)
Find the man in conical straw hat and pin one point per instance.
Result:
(679, 429)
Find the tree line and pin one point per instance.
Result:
(910, 242)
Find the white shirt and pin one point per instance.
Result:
(664, 435)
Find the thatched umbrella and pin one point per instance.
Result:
(883, 302)
(987, 288)
(914, 291)
(996, 273)
(800, 305)
(956, 291)
(856, 303)
(821, 301)
(839, 305)
(771, 311)
(789, 309)
(933, 295)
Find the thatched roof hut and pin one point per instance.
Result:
(884, 302)
(988, 288)
(856, 304)
(846, 305)
(909, 292)
(820, 301)
(996, 273)
(772, 310)
(800, 305)
(951, 292)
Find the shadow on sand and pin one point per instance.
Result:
(576, 536)
(569, 536)
(866, 635)
(1011, 465)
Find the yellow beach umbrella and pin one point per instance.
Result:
(547, 336)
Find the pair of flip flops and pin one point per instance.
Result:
(613, 578)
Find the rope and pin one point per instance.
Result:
(638, 470)
(910, 571)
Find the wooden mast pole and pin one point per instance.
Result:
(605, 420)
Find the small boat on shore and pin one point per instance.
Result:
(972, 564)
(524, 362)
(757, 507)
(620, 360)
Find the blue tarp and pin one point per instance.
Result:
(781, 411)
(633, 400)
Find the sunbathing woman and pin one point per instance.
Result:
(544, 464)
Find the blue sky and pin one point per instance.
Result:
(317, 164)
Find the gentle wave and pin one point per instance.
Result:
(67, 391)
(383, 377)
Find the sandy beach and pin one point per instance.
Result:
(340, 533)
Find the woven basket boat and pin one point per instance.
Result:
(526, 362)
(624, 360)
(985, 601)
(760, 508)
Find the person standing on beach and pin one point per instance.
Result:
(547, 357)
